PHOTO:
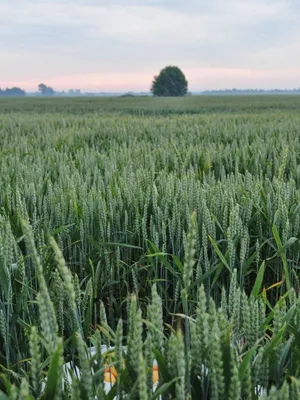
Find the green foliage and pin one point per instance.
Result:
(225, 367)
(45, 90)
(170, 82)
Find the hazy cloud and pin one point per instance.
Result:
(88, 40)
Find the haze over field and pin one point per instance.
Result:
(112, 46)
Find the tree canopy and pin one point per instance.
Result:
(45, 90)
(12, 92)
(170, 82)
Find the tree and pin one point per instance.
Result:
(12, 92)
(45, 90)
(170, 82)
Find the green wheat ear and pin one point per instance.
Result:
(24, 390)
(155, 317)
(85, 370)
(134, 338)
(67, 278)
(36, 364)
(189, 253)
(234, 391)
(47, 314)
(142, 379)
(180, 364)
(119, 346)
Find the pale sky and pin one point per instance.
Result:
(118, 45)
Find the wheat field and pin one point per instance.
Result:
(167, 230)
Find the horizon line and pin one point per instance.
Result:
(82, 91)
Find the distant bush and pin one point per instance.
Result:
(127, 95)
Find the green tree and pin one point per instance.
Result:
(12, 92)
(170, 82)
(45, 90)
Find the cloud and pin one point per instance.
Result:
(89, 37)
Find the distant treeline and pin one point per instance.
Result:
(45, 90)
(12, 92)
(252, 91)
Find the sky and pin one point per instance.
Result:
(119, 45)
